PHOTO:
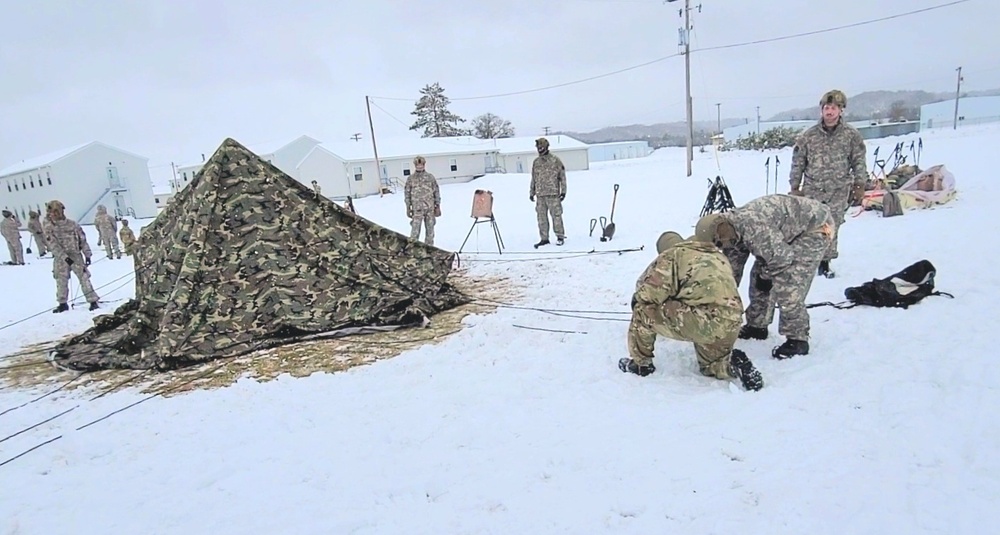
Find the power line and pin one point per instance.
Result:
(706, 49)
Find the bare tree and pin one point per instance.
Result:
(489, 126)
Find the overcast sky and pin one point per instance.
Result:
(170, 79)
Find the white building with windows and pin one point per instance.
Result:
(518, 153)
(618, 150)
(285, 156)
(971, 110)
(82, 177)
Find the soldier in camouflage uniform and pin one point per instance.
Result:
(107, 232)
(70, 253)
(127, 237)
(688, 294)
(316, 188)
(10, 229)
(423, 201)
(829, 165)
(788, 237)
(548, 184)
(35, 228)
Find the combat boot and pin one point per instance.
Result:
(629, 366)
(541, 243)
(748, 332)
(824, 270)
(93, 306)
(63, 307)
(790, 348)
(741, 368)
(560, 241)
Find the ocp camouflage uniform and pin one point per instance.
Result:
(10, 228)
(128, 238)
(70, 253)
(829, 165)
(548, 190)
(35, 228)
(788, 237)
(107, 231)
(317, 188)
(423, 204)
(688, 293)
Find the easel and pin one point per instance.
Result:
(482, 212)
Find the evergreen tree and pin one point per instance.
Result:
(433, 115)
(489, 126)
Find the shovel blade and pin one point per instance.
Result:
(609, 232)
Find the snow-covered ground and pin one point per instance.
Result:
(888, 426)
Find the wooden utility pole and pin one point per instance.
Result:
(758, 119)
(356, 136)
(378, 167)
(546, 129)
(685, 41)
(958, 93)
(718, 117)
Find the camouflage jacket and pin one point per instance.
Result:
(767, 225)
(9, 228)
(827, 163)
(66, 240)
(35, 226)
(104, 222)
(695, 274)
(422, 193)
(548, 176)
(126, 235)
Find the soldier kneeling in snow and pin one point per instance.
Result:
(688, 293)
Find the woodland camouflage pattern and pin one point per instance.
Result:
(827, 165)
(246, 258)
(35, 228)
(107, 230)
(788, 237)
(688, 293)
(10, 230)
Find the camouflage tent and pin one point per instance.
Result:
(246, 258)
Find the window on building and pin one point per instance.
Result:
(358, 176)
(8, 187)
(24, 184)
(157, 200)
(15, 187)
(406, 169)
(48, 179)
(185, 176)
(454, 164)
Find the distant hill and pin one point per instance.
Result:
(860, 107)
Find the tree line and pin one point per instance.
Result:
(436, 120)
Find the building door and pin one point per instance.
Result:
(520, 166)
(114, 181)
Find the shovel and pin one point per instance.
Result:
(609, 230)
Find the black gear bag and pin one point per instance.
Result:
(900, 290)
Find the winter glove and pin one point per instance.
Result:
(633, 302)
(409, 213)
(86, 261)
(857, 195)
(98, 242)
(69, 262)
(531, 197)
(762, 284)
(562, 196)
(437, 211)
(796, 192)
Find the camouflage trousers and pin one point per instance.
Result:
(712, 330)
(40, 242)
(128, 247)
(428, 220)
(789, 288)
(61, 271)
(544, 206)
(110, 241)
(16, 250)
(838, 200)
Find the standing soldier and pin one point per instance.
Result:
(35, 228)
(788, 237)
(107, 231)
(11, 230)
(70, 252)
(548, 184)
(688, 293)
(349, 203)
(829, 165)
(128, 238)
(316, 188)
(423, 201)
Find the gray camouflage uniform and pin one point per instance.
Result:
(35, 228)
(10, 229)
(788, 237)
(548, 189)
(827, 165)
(70, 252)
(107, 231)
(423, 204)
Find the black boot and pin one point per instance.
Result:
(748, 332)
(744, 370)
(629, 366)
(541, 243)
(824, 270)
(93, 306)
(560, 241)
(790, 348)
(63, 307)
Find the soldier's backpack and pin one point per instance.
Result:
(891, 205)
(899, 290)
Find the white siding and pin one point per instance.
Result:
(971, 110)
(81, 181)
(620, 150)
(573, 160)
(465, 168)
(336, 177)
